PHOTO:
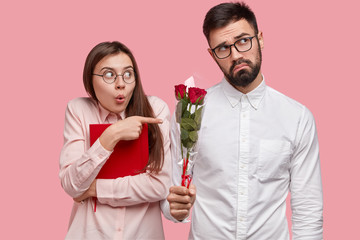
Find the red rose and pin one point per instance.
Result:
(196, 94)
(180, 91)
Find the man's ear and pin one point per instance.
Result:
(261, 40)
(211, 53)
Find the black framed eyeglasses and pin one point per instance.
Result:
(241, 45)
(109, 76)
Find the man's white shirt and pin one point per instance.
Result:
(252, 150)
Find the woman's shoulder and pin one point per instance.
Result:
(154, 100)
(159, 106)
(81, 104)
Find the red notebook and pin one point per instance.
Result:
(128, 158)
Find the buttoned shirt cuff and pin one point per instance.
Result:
(99, 155)
(98, 152)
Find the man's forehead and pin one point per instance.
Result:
(230, 31)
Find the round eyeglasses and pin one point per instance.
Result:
(241, 45)
(109, 76)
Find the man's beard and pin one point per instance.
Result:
(244, 77)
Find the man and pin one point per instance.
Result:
(255, 145)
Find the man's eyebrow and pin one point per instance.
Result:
(220, 45)
(241, 35)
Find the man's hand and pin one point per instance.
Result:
(181, 200)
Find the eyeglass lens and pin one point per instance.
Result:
(110, 76)
(241, 45)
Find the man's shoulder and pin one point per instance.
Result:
(275, 95)
(288, 104)
(213, 89)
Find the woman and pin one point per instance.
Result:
(126, 207)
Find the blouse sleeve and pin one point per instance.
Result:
(78, 166)
(144, 187)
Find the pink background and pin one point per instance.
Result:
(311, 54)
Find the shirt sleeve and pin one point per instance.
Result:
(78, 166)
(306, 185)
(144, 187)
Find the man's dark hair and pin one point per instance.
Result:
(225, 13)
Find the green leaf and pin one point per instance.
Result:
(198, 115)
(184, 134)
(185, 140)
(184, 103)
(189, 144)
(193, 136)
(186, 114)
(178, 112)
(188, 124)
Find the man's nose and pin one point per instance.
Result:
(235, 54)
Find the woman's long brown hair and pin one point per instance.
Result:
(138, 104)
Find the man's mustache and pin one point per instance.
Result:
(240, 61)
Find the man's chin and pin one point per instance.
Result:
(241, 80)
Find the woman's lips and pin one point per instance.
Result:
(120, 99)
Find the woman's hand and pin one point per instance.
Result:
(91, 192)
(127, 129)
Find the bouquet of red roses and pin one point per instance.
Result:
(188, 114)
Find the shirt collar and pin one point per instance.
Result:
(235, 96)
(104, 113)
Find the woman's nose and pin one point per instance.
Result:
(119, 82)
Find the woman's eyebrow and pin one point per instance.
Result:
(106, 68)
(110, 68)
